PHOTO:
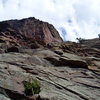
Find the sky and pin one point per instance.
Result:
(72, 18)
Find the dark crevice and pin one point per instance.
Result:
(14, 95)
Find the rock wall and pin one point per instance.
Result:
(28, 31)
(31, 49)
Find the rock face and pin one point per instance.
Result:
(28, 31)
(66, 70)
(85, 49)
(92, 43)
(63, 82)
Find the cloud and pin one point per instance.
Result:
(72, 18)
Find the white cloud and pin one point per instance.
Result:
(79, 18)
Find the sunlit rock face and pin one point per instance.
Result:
(33, 50)
(28, 31)
(76, 16)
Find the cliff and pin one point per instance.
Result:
(33, 50)
(28, 31)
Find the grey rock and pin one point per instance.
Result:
(57, 83)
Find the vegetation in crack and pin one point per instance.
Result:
(32, 87)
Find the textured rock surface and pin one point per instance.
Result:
(86, 49)
(28, 31)
(57, 83)
(66, 70)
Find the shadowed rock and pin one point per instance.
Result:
(12, 49)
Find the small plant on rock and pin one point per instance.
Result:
(99, 36)
(32, 87)
(80, 40)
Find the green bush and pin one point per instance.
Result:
(32, 87)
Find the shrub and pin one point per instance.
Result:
(32, 87)
(80, 40)
(99, 36)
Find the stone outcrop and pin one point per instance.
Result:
(65, 70)
(28, 32)
(86, 49)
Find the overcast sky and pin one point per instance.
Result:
(72, 18)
